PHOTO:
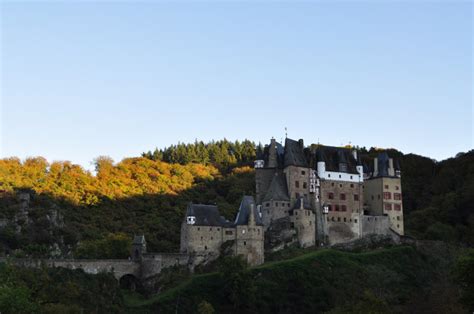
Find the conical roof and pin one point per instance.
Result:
(245, 210)
(278, 190)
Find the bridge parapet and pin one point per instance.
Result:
(118, 267)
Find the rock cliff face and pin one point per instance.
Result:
(280, 235)
(26, 218)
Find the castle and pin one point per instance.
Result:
(305, 196)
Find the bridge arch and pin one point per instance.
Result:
(129, 282)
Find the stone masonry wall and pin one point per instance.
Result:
(304, 223)
(250, 242)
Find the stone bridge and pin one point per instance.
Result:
(149, 265)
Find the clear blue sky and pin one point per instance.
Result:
(85, 79)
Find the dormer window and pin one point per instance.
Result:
(342, 167)
(191, 220)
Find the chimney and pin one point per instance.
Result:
(272, 158)
(376, 167)
(354, 153)
(391, 171)
(251, 221)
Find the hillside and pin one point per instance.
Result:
(390, 280)
(72, 212)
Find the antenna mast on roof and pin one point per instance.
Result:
(286, 133)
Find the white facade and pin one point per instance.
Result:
(339, 176)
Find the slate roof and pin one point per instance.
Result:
(206, 215)
(294, 154)
(278, 189)
(333, 156)
(306, 204)
(244, 212)
(139, 239)
(382, 164)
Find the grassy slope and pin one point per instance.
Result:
(315, 282)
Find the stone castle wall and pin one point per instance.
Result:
(250, 243)
(304, 222)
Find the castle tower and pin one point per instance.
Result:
(383, 191)
(276, 203)
(249, 240)
(138, 247)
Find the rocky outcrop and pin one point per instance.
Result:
(279, 235)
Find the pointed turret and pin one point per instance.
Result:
(272, 154)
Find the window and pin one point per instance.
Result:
(388, 206)
(351, 177)
(267, 204)
(212, 238)
(210, 229)
(331, 195)
(228, 232)
(303, 173)
(199, 229)
(276, 204)
(398, 207)
(297, 184)
(397, 196)
(387, 195)
(304, 185)
(332, 184)
(329, 207)
(372, 197)
(340, 185)
(205, 247)
(339, 176)
(332, 218)
(329, 175)
(398, 226)
(356, 197)
(355, 220)
(218, 229)
(342, 196)
(344, 219)
(397, 187)
(378, 196)
(337, 207)
(338, 218)
(296, 213)
(297, 195)
(292, 225)
(245, 242)
(343, 208)
(352, 185)
(201, 238)
(386, 187)
(398, 217)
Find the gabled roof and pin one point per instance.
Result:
(244, 212)
(206, 215)
(139, 239)
(333, 156)
(278, 190)
(382, 161)
(294, 154)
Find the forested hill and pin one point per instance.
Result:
(68, 205)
